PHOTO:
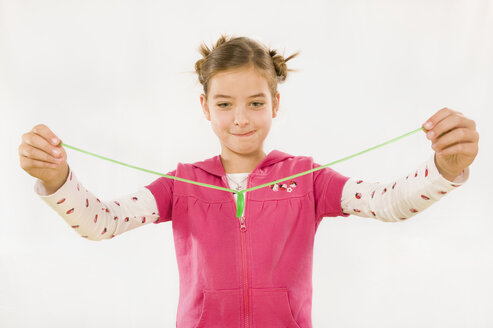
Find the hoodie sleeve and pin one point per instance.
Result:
(402, 198)
(94, 219)
(162, 190)
(327, 191)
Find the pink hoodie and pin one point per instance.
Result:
(261, 275)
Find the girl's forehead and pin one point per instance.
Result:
(243, 74)
(238, 83)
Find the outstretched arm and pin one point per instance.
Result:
(455, 142)
(93, 218)
(401, 198)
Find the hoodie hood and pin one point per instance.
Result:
(214, 165)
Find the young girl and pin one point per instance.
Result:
(255, 271)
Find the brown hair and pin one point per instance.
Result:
(236, 52)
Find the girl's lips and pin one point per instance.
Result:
(245, 135)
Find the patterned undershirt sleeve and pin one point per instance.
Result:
(401, 198)
(94, 219)
(398, 200)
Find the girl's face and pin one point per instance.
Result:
(240, 102)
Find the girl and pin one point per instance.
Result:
(254, 271)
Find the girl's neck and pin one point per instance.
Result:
(238, 163)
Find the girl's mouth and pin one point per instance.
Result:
(246, 134)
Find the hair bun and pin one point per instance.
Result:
(205, 52)
(279, 65)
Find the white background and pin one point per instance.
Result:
(116, 78)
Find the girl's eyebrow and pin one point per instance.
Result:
(261, 94)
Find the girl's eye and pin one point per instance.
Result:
(259, 104)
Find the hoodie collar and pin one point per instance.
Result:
(214, 166)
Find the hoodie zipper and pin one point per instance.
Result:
(243, 230)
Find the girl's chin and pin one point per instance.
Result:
(243, 147)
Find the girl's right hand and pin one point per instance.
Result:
(39, 158)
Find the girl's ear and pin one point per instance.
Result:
(205, 107)
(275, 106)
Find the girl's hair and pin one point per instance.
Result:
(238, 52)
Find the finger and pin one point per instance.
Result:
(46, 133)
(455, 136)
(27, 163)
(437, 117)
(466, 148)
(37, 154)
(448, 124)
(37, 141)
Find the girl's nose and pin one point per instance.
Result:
(240, 116)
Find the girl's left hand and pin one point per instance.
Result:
(454, 140)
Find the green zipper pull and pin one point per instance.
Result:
(240, 204)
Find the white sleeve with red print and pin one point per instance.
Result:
(402, 198)
(94, 219)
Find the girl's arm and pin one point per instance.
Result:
(401, 198)
(94, 219)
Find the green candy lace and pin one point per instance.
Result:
(240, 202)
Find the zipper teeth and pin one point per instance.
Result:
(245, 268)
(245, 280)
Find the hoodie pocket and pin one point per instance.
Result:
(271, 308)
(221, 308)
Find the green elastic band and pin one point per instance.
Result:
(240, 202)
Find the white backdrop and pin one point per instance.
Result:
(116, 78)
